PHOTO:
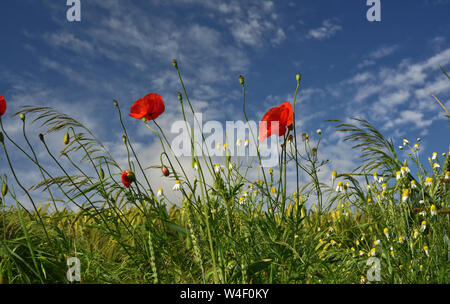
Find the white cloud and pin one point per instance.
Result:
(328, 29)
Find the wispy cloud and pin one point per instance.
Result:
(329, 28)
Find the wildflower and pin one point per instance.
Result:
(404, 170)
(339, 187)
(2, 106)
(352, 249)
(423, 213)
(372, 252)
(429, 181)
(383, 193)
(436, 165)
(260, 181)
(255, 192)
(363, 280)
(357, 242)
(375, 177)
(331, 229)
(447, 175)
(160, 192)
(386, 232)
(345, 187)
(434, 156)
(419, 139)
(400, 147)
(177, 185)
(400, 239)
(423, 226)
(218, 145)
(274, 190)
(383, 187)
(282, 115)
(405, 195)
(149, 107)
(196, 166)
(416, 146)
(318, 228)
(405, 142)
(246, 143)
(217, 168)
(270, 171)
(416, 233)
(361, 252)
(250, 186)
(332, 242)
(398, 175)
(241, 200)
(425, 248)
(392, 252)
(319, 132)
(421, 267)
(369, 200)
(66, 138)
(377, 242)
(380, 179)
(230, 166)
(433, 210)
(127, 178)
(421, 202)
(239, 142)
(413, 184)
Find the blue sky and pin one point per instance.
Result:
(382, 71)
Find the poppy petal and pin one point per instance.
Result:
(2, 105)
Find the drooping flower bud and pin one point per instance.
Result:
(165, 171)
(115, 103)
(41, 137)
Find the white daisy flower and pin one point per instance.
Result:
(159, 193)
(434, 156)
(423, 226)
(433, 210)
(239, 142)
(177, 185)
(339, 187)
(246, 143)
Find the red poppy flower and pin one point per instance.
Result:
(127, 178)
(2, 105)
(276, 120)
(150, 107)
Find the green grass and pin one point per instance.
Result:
(234, 229)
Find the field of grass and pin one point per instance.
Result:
(386, 222)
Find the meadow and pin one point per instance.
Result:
(385, 222)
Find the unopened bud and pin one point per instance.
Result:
(66, 139)
(1, 137)
(115, 103)
(241, 79)
(175, 64)
(124, 138)
(165, 171)
(180, 97)
(298, 77)
(22, 116)
(4, 189)
(41, 136)
(291, 127)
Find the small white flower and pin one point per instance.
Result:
(447, 175)
(230, 166)
(218, 145)
(421, 202)
(423, 213)
(331, 229)
(423, 226)
(413, 184)
(160, 192)
(217, 168)
(429, 181)
(433, 210)
(400, 147)
(425, 248)
(246, 143)
(386, 232)
(384, 187)
(436, 165)
(434, 156)
(405, 142)
(398, 175)
(196, 166)
(339, 187)
(377, 242)
(239, 142)
(333, 176)
(319, 131)
(177, 185)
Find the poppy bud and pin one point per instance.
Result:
(66, 138)
(4, 189)
(101, 173)
(1, 137)
(22, 116)
(41, 137)
(291, 127)
(165, 171)
(298, 77)
(290, 138)
(115, 103)
(128, 177)
(175, 64)
(241, 79)
(180, 97)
